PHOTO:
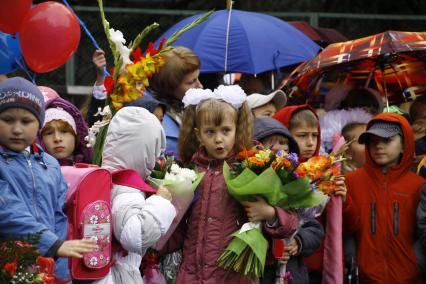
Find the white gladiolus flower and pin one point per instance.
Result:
(94, 130)
(117, 37)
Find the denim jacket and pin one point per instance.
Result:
(32, 197)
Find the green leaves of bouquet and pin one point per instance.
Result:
(162, 166)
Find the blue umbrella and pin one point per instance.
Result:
(255, 43)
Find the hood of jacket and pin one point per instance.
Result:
(408, 144)
(148, 102)
(285, 114)
(82, 154)
(135, 139)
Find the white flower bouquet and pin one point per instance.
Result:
(181, 182)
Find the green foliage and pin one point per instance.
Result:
(162, 166)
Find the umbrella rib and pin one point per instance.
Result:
(227, 38)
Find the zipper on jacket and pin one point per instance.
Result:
(30, 165)
(373, 218)
(395, 218)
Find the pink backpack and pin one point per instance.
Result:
(88, 207)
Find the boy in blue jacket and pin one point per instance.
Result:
(32, 188)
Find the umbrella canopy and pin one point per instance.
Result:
(394, 63)
(252, 42)
(322, 36)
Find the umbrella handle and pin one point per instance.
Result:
(229, 4)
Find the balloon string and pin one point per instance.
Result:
(86, 30)
(23, 66)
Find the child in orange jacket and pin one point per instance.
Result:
(386, 195)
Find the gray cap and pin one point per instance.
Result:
(384, 129)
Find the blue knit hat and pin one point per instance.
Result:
(20, 93)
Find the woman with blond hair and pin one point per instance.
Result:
(175, 77)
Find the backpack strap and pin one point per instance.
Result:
(131, 178)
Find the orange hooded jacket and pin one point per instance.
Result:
(386, 205)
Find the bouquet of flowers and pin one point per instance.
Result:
(20, 262)
(273, 176)
(323, 171)
(181, 182)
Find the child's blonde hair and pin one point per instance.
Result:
(214, 111)
(304, 116)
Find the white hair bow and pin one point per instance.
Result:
(233, 95)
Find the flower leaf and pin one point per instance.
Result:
(137, 41)
(195, 23)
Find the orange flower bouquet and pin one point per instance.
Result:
(322, 170)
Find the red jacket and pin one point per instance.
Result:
(215, 215)
(386, 205)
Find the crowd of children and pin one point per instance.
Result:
(383, 199)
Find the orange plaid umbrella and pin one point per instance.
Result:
(391, 62)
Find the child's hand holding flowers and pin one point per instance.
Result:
(164, 192)
(340, 187)
(259, 210)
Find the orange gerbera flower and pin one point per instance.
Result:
(245, 154)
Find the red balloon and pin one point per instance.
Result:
(12, 13)
(49, 36)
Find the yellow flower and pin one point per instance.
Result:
(131, 84)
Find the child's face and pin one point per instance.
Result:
(356, 151)
(218, 140)
(159, 113)
(268, 109)
(18, 129)
(58, 141)
(306, 137)
(276, 142)
(385, 152)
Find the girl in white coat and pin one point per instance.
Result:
(134, 140)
